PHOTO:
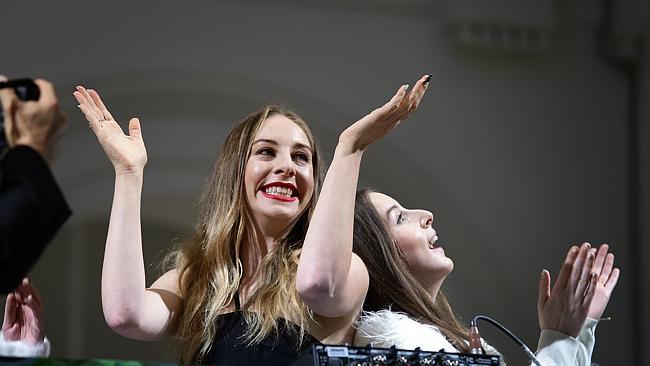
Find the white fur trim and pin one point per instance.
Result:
(387, 328)
(22, 349)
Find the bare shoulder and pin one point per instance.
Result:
(168, 282)
(362, 277)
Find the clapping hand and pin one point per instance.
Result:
(566, 306)
(127, 153)
(377, 123)
(23, 319)
(607, 279)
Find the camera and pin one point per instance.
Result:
(25, 89)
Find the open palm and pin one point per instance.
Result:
(377, 123)
(127, 153)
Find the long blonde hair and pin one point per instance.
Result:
(209, 267)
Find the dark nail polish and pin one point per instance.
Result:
(426, 81)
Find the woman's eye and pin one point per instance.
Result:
(265, 151)
(301, 157)
(401, 218)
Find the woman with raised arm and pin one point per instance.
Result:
(236, 294)
(330, 270)
(231, 298)
(331, 279)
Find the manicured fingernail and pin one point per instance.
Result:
(574, 249)
(406, 87)
(426, 81)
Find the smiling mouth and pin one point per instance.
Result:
(284, 193)
(432, 242)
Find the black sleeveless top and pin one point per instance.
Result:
(230, 349)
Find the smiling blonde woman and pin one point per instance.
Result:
(240, 291)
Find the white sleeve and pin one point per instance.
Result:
(587, 339)
(558, 349)
(22, 349)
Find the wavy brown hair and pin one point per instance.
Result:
(392, 285)
(209, 265)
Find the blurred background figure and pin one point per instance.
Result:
(32, 207)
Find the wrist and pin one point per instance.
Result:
(131, 175)
(345, 149)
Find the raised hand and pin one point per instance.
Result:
(126, 152)
(607, 279)
(383, 119)
(23, 315)
(565, 307)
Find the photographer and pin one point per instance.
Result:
(32, 207)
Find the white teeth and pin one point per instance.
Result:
(432, 242)
(279, 191)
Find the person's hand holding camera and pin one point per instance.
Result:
(36, 124)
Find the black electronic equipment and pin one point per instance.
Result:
(330, 355)
(25, 89)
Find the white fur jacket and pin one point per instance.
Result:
(22, 349)
(386, 328)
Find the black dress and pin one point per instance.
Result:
(229, 348)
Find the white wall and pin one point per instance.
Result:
(520, 153)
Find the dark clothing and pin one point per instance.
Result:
(32, 209)
(229, 349)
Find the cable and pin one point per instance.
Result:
(475, 338)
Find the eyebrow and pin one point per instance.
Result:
(393, 207)
(273, 142)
